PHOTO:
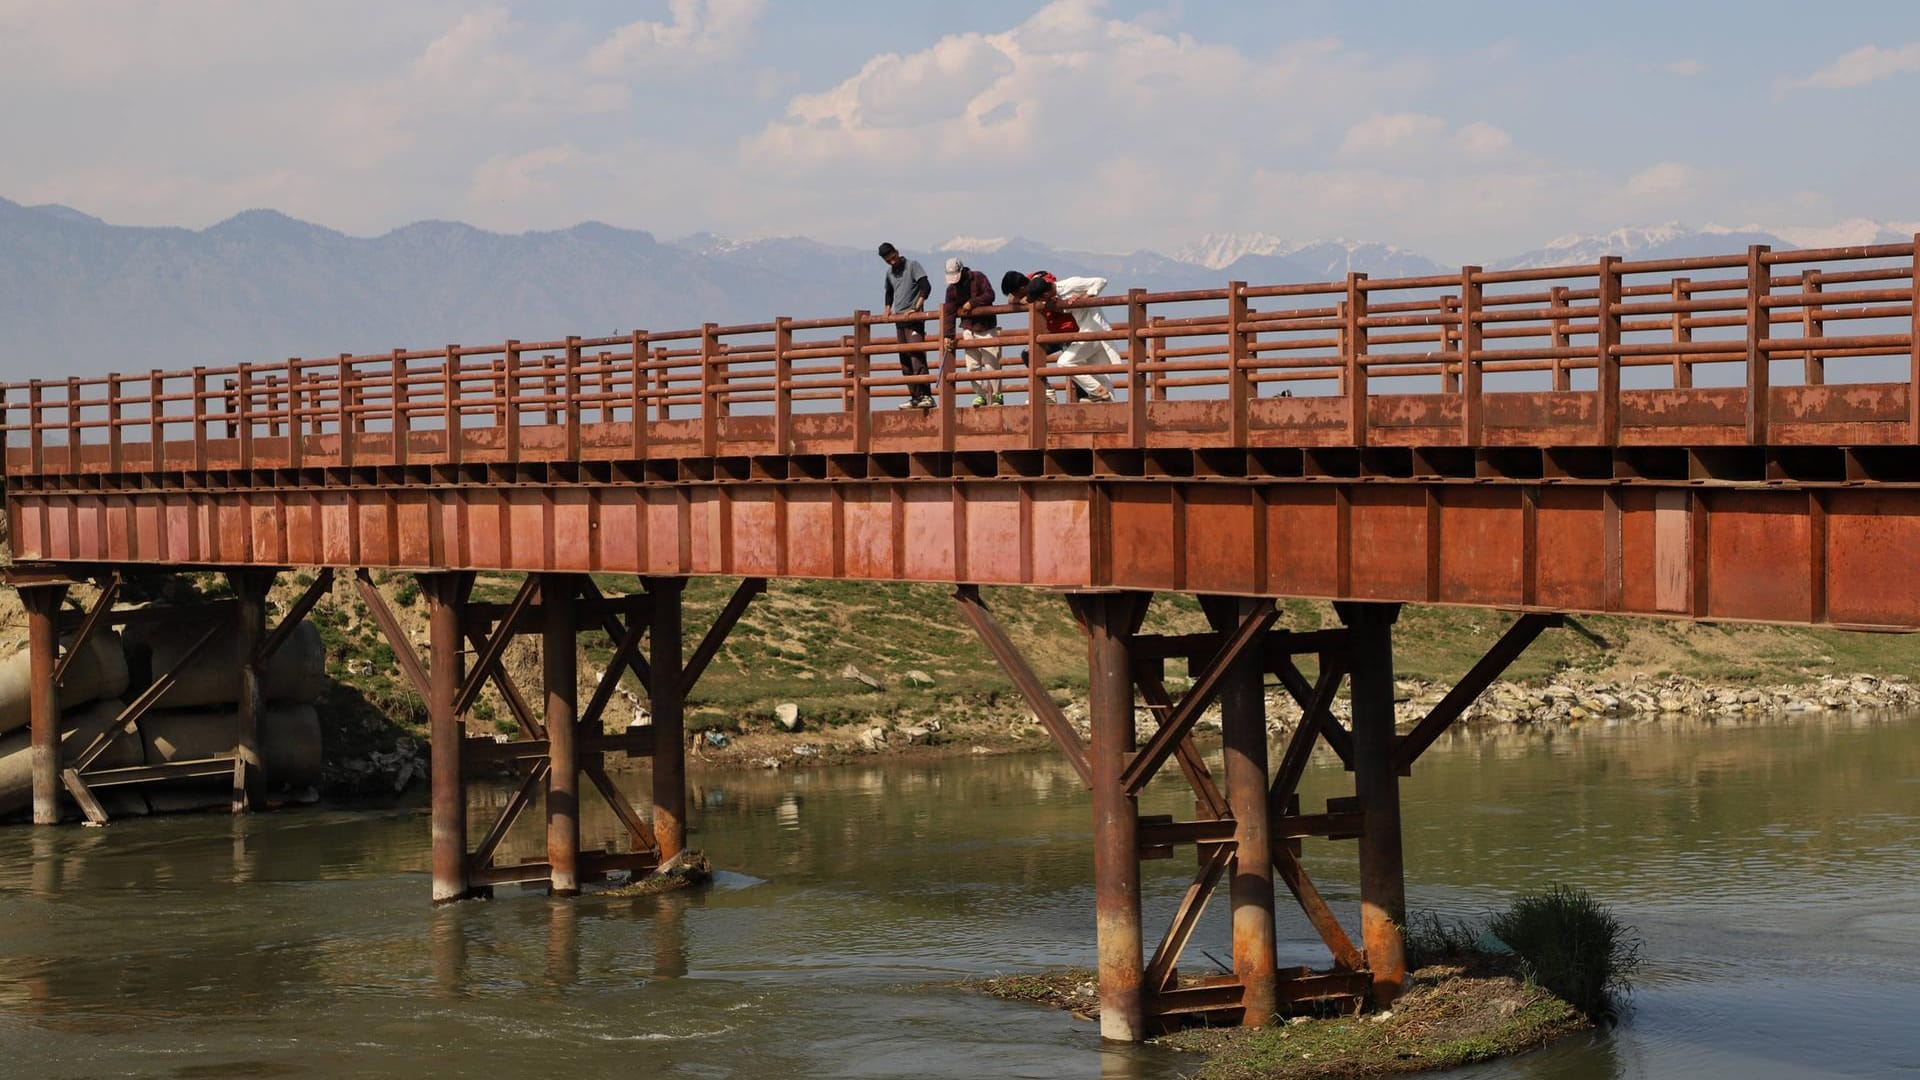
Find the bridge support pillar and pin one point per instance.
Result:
(250, 587)
(668, 703)
(1110, 620)
(560, 670)
(43, 698)
(1243, 722)
(1376, 782)
(446, 612)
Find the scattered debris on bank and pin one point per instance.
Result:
(1452, 1014)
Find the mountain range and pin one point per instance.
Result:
(81, 296)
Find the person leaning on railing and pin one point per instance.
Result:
(1044, 290)
(969, 291)
(907, 291)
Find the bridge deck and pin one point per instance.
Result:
(1529, 439)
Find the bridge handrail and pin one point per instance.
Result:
(1438, 336)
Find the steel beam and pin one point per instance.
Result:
(560, 671)
(668, 703)
(1376, 782)
(446, 600)
(1471, 685)
(1021, 674)
(43, 698)
(1243, 726)
(1109, 619)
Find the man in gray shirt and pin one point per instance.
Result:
(907, 291)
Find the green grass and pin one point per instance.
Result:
(1572, 945)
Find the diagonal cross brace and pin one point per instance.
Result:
(717, 633)
(623, 657)
(1195, 701)
(1471, 685)
(100, 608)
(1293, 762)
(496, 646)
(1154, 692)
(616, 631)
(1301, 692)
(974, 610)
(403, 650)
(322, 583)
(138, 707)
(1186, 918)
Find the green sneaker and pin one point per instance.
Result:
(999, 399)
(979, 400)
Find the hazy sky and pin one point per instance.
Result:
(1463, 131)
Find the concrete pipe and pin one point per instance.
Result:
(78, 729)
(289, 740)
(98, 671)
(297, 671)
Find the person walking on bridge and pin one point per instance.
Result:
(907, 292)
(968, 291)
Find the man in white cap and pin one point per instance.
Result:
(968, 292)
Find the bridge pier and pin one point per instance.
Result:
(43, 702)
(446, 612)
(1243, 736)
(1110, 620)
(666, 596)
(1376, 784)
(560, 672)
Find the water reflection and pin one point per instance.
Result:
(1768, 866)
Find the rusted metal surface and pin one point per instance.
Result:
(669, 715)
(1383, 889)
(1109, 619)
(250, 627)
(446, 597)
(1243, 726)
(559, 665)
(43, 701)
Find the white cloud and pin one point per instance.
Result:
(1686, 68)
(512, 178)
(1664, 178)
(1870, 63)
(698, 32)
(1384, 134)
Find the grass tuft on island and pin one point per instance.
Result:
(1455, 1013)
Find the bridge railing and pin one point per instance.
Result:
(1753, 348)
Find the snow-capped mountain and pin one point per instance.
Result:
(1675, 240)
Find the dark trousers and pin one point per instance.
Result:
(913, 363)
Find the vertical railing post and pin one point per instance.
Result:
(782, 385)
(397, 372)
(1239, 377)
(349, 417)
(637, 391)
(1468, 339)
(1812, 327)
(156, 420)
(570, 397)
(38, 451)
(857, 367)
(73, 423)
(113, 423)
(1138, 374)
(1038, 396)
(296, 414)
(200, 419)
(1155, 347)
(1449, 342)
(1759, 360)
(1353, 358)
(711, 380)
(1557, 302)
(1606, 360)
(946, 390)
(1682, 334)
(509, 398)
(450, 406)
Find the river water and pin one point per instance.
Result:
(1771, 869)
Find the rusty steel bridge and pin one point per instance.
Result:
(1732, 438)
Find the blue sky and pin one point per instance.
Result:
(1463, 131)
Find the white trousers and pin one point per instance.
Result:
(980, 359)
